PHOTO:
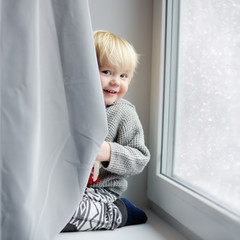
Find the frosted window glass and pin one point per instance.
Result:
(207, 147)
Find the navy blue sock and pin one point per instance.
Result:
(135, 214)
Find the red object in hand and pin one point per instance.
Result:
(90, 180)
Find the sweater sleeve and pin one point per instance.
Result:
(129, 155)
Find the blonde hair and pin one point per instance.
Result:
(116, 51)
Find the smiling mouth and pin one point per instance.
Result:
(110, 91)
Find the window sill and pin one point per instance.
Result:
(154, 229)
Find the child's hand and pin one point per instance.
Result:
(104, 153)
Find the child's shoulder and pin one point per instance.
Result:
(124, 103)
(122, 112)
(123, 106)
(122, 109)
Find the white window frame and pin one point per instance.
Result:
(201, 216)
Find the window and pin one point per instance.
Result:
(194, 134)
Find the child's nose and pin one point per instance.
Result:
(115, 81)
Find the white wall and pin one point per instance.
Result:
(131, 19)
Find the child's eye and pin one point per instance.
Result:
(123, 75)
(107, 72)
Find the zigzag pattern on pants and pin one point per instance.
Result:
(96, 211)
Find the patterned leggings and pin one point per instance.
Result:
(95, 211)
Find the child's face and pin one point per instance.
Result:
(114, 82)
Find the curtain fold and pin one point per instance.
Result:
(52, 114)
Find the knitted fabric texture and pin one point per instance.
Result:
(129, 155)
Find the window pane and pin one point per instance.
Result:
(207, 143)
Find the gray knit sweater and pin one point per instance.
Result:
(129, 155)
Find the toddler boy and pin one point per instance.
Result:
(123, 153)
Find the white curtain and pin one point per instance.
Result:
(52, 114)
